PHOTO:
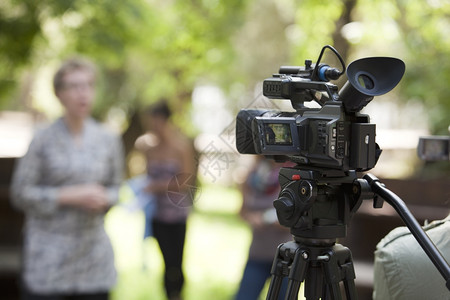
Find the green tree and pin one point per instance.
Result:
(146, 49)
(425, 26)
(152, 49)
(20, 32)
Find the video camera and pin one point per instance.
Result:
(321, 193)
(334, 136)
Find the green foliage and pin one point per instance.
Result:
(323, 14)
(16, 20)
(165, 51)
(425, 30)
(148, 49)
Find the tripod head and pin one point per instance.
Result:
(317, 203)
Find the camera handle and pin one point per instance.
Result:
(370, 183)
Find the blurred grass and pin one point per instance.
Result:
(216, 248)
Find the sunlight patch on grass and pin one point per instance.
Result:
(216, 198)
(216, 248)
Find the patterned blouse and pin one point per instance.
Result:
(66, 250)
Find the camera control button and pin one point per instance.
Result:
(296, 177)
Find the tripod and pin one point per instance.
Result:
(317, 207)
(322, 265)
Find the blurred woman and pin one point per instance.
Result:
(172, 174)
(65, 184)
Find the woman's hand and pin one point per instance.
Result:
(89, 197)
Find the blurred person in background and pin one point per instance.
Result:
(402, 270)
(259, 191)
(65, 184)
(171, 170)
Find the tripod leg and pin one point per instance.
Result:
(274, 287)
(277, 272)
(348, 273)
(339, 267)
(350, 289)
(298, 270)
(288, 262)
(314, 287)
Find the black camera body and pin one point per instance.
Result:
(334, 136)
(326, 137)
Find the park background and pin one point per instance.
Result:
(208, 58)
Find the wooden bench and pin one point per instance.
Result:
(11, 222)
